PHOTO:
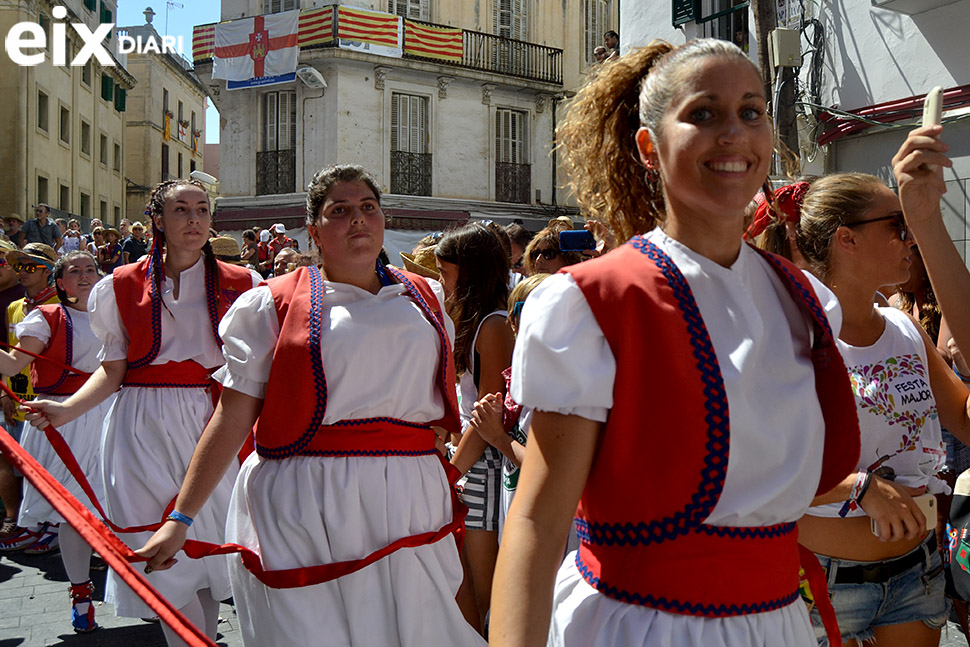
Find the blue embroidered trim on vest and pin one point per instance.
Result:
(435, 320)
(718, 426)
(369, 452)
(212, 302)
(810, 300)
(167, 385)
(678, 606)
(68, 356)
(629, 534)
(382, 419)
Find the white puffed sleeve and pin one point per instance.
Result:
(34, 325)
(830, 303)
(106, 321)
(249, 332)
(562, 362)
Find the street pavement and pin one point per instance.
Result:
(35, 610)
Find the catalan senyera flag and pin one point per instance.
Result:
(258, 50)
(443, 43)
(316, 26)
(378, 33)
(203, 42)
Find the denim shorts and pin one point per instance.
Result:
(914, 594)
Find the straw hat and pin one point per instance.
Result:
(226, 249)
(15, 216)
(34, 253)
(7, 246)
(112, 230)
(422, 263)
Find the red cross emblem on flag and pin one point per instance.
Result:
(259, 39)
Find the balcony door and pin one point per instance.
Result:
(410, 145)
(276, 161)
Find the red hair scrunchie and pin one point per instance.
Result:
(788, 205)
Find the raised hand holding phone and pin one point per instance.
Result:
(933, 112)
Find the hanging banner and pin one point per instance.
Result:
(203, 42)
(442, 43)
(369, 31)
(258, 51)
(316, 26)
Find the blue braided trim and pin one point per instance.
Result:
(682, 607)
(265, 453)
(380, 420)
(715, 404)
(438, 324)
(168, 385)
(68, 356)
(316, 366)
(156, 320)
(212, 302)
(811, 301)
(630, 534)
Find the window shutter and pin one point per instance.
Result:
(121, 99)
(271, 119)
(425, 10)
(683, 11)
(91, 5)
(107, 87)
(395, 122)
(286, 138)
(520, 19)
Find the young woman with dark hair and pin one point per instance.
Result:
(474, 266)
(157, 319)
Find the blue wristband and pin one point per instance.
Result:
(181, 518)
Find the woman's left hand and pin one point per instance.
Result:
(161, 547)
(918, 169)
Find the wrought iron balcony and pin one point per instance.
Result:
(513, 182)
(410, 173)
(275, 172)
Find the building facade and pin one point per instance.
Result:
(165, 129)
(62, 127)
(467, 133)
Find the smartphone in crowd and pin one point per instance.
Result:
(576, 240)
(927, 504)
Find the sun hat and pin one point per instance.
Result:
(34, 253)
(226, 249)
(422, 263)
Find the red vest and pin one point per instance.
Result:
(656, 550)
(141, 312)
(52, 377)
(297, 376)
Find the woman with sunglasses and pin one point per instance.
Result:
(878, 548)
(61, 334)
(543, 254)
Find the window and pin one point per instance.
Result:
(107, 14)
(193, 123)
(43, 110)
(64, 201)
(724, 19)
(85, 137)
(45, 23)
(191, 166)
(412, 9)
(103, 210)
(276, 162)
(410, 154)
(181, 112)
(179, 166)
(107, 87)
(85, 205)
(165, 175)
(90, 5)
(41, 189)
(103, 149)
(121, 98)
(117, 212)
(510, 19)
(513, 174)
(164, 100)
(276, 6)
(86, 74)
(597, 15)
(65, 125)
(117, 158)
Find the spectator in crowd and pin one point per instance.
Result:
(72, 237)
(41, 229)
(125, 228)
(543, 254)
(96, 222)
(15, 229)
(97, 240)
(136, 246)
(600, 53)
(250, 251)
(280, 240)
(285, 261)
(612, 41)
(109, 254)
(264, 254)
(519, 238)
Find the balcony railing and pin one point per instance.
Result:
(410, 173)
(513, 182)
(319, 28)
(275, 172)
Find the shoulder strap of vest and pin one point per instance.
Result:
(135, 292)
(232, 281)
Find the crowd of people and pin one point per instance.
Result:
(707, 426)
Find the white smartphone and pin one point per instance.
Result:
(927, 504)
(933, 107)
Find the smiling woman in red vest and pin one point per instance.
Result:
(62, 334)
(157, 320)
(686, 388)
(348, 367)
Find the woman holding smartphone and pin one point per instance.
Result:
(871, 533)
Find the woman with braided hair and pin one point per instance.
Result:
(157, 320)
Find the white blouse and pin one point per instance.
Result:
(85, 347)
(184, 320)
(250, 331)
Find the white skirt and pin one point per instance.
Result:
(149, 437)
(304, 511)
(83, 436)
(584, 617)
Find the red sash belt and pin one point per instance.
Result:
(170, 375)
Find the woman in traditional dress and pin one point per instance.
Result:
(347, 501)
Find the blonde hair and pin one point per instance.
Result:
(549, 235)
(831, 202)
(520, 292)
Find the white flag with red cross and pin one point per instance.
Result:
(257, 50)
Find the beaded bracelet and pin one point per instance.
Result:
(181, 518)
(859, 489)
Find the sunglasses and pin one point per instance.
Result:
(3, 262)
(898, 217)
(550, 254)
(29, 268)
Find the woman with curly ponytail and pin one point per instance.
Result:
(158, 321)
